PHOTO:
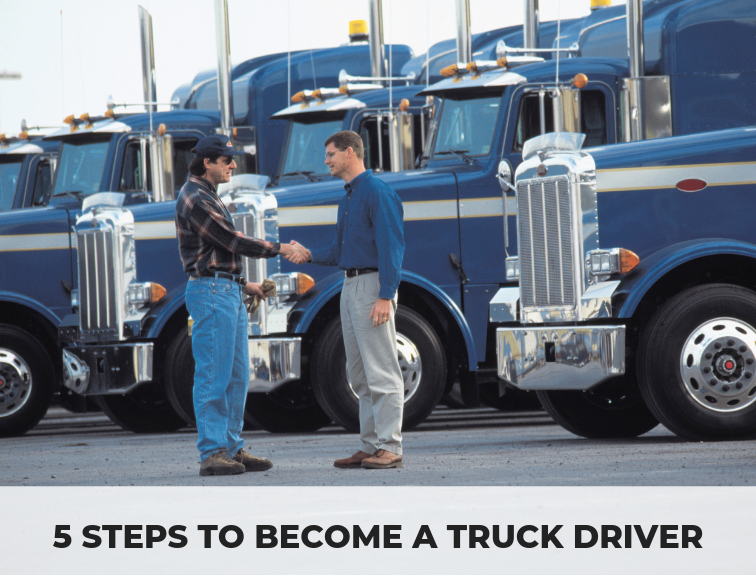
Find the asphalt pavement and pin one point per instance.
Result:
(453, 447)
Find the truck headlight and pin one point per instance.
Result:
(142, 293)
(292, 283)
(609, 262)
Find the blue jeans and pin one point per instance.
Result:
(221, 356)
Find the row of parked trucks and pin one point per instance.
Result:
(507, 152)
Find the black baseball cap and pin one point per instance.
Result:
(216, 144)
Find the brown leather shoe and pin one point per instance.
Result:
(252, 462)
(353, 462)
(382, 460)
(219, 463)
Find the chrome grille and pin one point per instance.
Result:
(97, 289)
(544, 221)
(245, 223)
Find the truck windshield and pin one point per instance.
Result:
(80, 168)
(9, 173)
(467, 126)
(305, 151)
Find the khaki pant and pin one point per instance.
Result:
(372, 365)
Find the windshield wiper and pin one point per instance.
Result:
(75, 194)
(459, 153)
(307, 175)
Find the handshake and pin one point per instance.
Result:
(296, 253)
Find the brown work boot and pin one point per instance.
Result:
(353, 462)
(252, 462)
(219, 463)
(383, 460)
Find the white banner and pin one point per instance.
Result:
(417, 530)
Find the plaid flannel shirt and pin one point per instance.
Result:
(208, 242)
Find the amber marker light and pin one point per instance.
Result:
(450, 71)
(298, 97)
(24, 135)
(161, 130)
(304, 283)
(580, 81)
(473, 67)
(84, 117)
(628, 260)
(502, 62)
(317, 93)
(157, 292)
(404, 105)
(344, 89)
(109, 114)
(69, 120)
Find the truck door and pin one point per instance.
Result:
(39, 185)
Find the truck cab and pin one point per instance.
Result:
(27, 167)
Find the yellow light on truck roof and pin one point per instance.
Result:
(600, 4)
(450, 71)
(580, 81)
(298, 97)
(69, 120)
(358, 27)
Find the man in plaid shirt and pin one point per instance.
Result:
(211, 251)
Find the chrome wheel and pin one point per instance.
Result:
(410, 364)
(718, 363)
(15, 382)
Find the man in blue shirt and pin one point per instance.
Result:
(369, 246)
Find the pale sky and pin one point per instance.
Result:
(73, 54)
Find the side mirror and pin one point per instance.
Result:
(504, 175)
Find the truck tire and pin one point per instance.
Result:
(179, 379)
(614, 409)
(179, 376)
(144, 410)
(26, 381)
(421, 358)
(697, 363)
(292, 409)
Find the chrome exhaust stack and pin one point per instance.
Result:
(375, 39)
(148, 61)
(646, 100)
(531, 27)
(464, 40)
(223, 50)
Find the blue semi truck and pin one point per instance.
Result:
(143, 158)
(636, 301)
(456, 217)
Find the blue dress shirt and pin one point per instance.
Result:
(369, 232)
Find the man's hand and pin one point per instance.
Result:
(381, 311)
(253, 289)
(296, 253)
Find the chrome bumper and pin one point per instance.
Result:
(107, 369)
(118, 369)
(560, 358)
(273, 362)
